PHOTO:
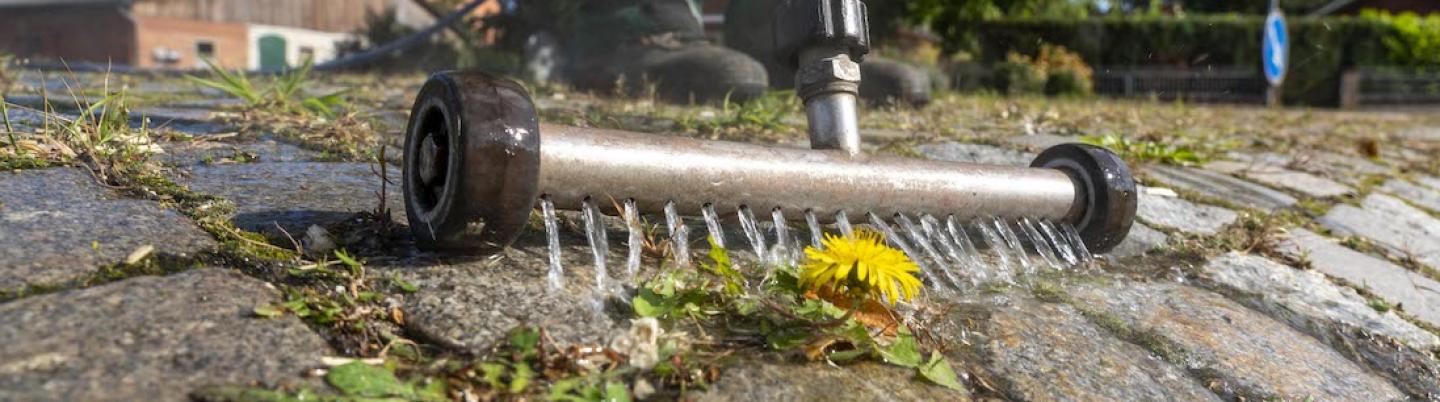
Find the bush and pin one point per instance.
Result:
(1017, 77)
(1415, 40)
(1321, 47)
(1054, 70)
(1067, 83)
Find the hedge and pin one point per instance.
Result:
(1321, 47)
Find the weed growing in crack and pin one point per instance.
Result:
(1149, 151)
(341, 295)
(777, 309)
(284, 94)
(325, 123)
(99, 138)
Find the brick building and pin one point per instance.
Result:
(177, 34)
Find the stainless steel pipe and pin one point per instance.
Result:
(576, 163)
(476, 162)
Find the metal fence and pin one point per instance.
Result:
(1390, 86)
(1220, 85)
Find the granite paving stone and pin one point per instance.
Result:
(469, 304)
(1401, 229)
(151, 338)
(975, 153)
(1309, 299)
(1039, 142)
(1050, 352)
(1342, 168)
(774, 380)
(1423, 196)
(1140, 239)
(1304, 183)
(59, 225)
(1334, 163)
(1220, 186)
(1241, 351)
(882, 135)
(294, 194)
(198, 152)
(1428, 181)
(1414, 293)
(1168, 211)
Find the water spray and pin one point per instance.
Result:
(478, 161)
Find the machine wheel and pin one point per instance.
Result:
(472, 158)
(1107, 190)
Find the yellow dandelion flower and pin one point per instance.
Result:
(861, 266)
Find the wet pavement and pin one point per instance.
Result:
(1341, 306)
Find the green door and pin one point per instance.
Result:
(272, 53)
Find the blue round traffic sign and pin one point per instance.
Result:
(1275, 48)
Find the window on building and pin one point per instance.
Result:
(307, 54)
(204, 49)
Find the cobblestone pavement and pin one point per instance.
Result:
(1258, 275)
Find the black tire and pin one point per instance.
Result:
(1110, 196)
(706, 73)
(474, 193)
(749, 28)
(884, 82)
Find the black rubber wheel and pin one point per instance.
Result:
(472, 162)
(707, 73)
(1107, 189)
(749, 28)
(884, 82)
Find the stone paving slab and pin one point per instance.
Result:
(1341, 168)
(1423, 196)
(1429, 181)
(1415, 293)
(759, 380)
(58, 225)
(189, 121)
(150, 338)
(1339, 165)
(1039, 142)
(294, 194)
(1220, 186)
(975, 153)
(1050, 352)
(219, 152)
(1140, 239)
(1243, 352)
(1310, 300)
(1401, 229)
(1303, 183)
(468, 305)
(1168, 211)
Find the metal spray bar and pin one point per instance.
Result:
(476, 162)
(576, 163)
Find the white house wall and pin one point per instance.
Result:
(324, 43)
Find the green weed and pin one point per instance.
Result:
(1148, 151)
(774, 309)
(285, 92)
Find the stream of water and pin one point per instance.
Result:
(953, 256)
